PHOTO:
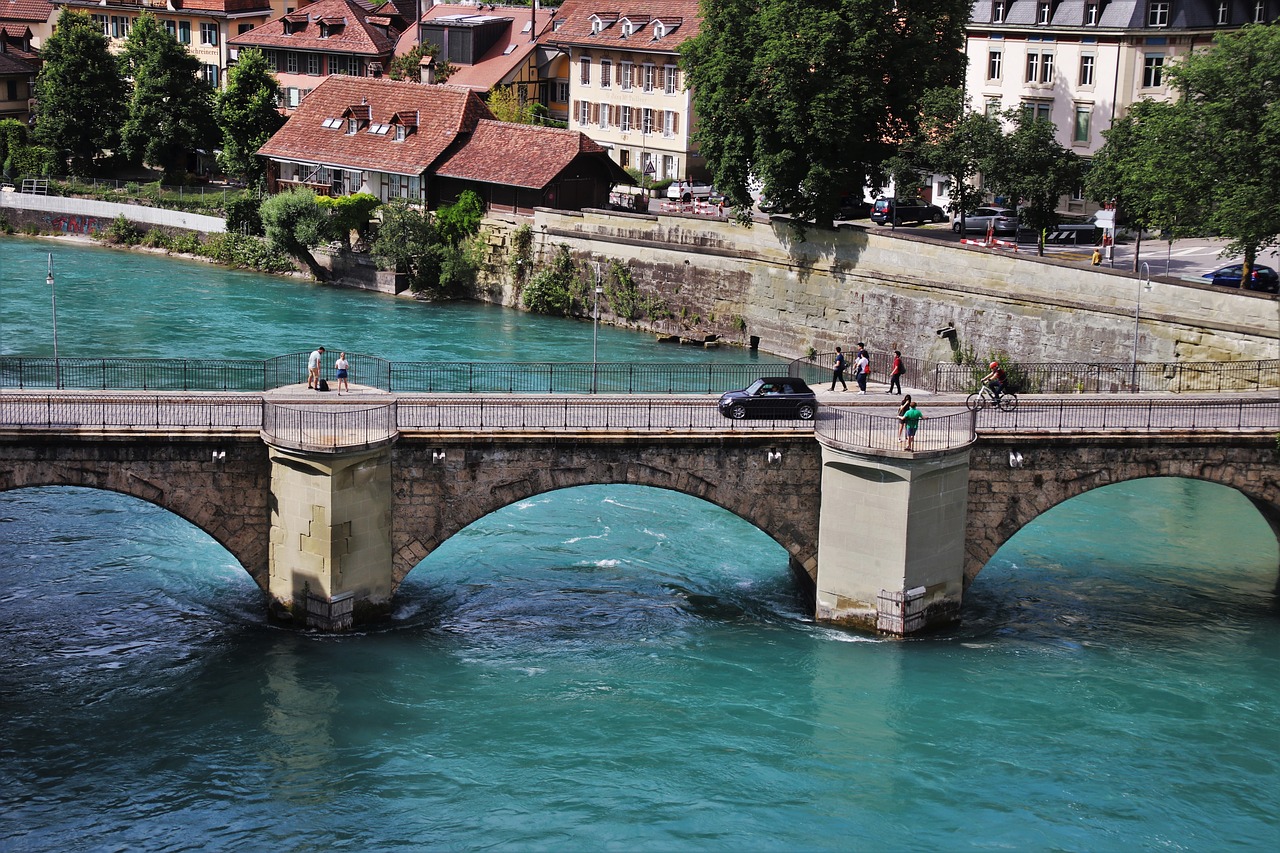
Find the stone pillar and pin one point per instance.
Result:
(330, 533)
(891, 538)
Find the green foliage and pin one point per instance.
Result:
(521, 254)
(552, 290)
(244, 215)
(405, 66)
(294, 222)
(242, 250)
(405, 235)
(19, 155)
(185, 243)
(349, 213)
(952, 141)
(808, 96)
(155, 239)
(121, 232)
(247, 115)
(739, 323)
(460, 220)
(170, 108)
(81, 93)
(506, 106)
(1029, 166)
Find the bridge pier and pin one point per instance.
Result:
(891, 539)
(330, 550)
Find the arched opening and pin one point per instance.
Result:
(1148, 559)
(608, 560)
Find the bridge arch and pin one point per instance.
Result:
(1003, 499)
(442, 487)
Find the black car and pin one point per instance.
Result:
(901, 210)
(778, 397)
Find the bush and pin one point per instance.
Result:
(155, 239)
(244, 215)
(554, 288)
(122, 232)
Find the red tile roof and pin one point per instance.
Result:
(520, 155)
(679, 17)
(443, 113)
(11, 65)
(497, 63)
(359, 35)
(25, 10)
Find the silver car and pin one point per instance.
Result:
(1004, 220)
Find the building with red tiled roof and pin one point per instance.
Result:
(19, 65)
(324, 38)
(38, 15)
(391, 138)
(626, 88)
(204, 27)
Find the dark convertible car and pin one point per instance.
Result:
(778, 397)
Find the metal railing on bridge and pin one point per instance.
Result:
(1141, 416)
(854, 429)
(328, 428)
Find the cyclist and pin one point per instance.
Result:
(995, 380)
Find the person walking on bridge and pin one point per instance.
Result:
(837, 374)
(895, 372)
(862, 369)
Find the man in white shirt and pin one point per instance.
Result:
(313, 368)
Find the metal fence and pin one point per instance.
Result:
(1117, 377)
(328, 428)
(580, 414)
(117, 412)
(576, 378)
(133, 374)
(1135, 416)
(856, 430)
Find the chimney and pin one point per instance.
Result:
(427, 70)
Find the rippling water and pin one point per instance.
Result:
(617, 667)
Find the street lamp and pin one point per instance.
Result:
(595, 327)
(57, 374)
(1144, 283)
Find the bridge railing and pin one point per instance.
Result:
(577, 377)
(855, 430)
(133, 374)
(99, 411)
(1118, 377)
(577, 414)
(1121, 415)
(328, 428)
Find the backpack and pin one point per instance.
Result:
(324, 385)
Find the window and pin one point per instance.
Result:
(292, 97)
(668, 166)
(1086, 69)
(624, 157)
(120, 26)
(1033, 67)
(991, 107)
(171, 27)
(400, 133)
(606, 70)
(997, 12)
(1222, 17)
(12, 87)
(208, 33)
(1091, 15)
(1039, 67)
(1080, 134)
(670, 123)
(1044, 13)
(670, 79)
(313, 64)
(994, 61)
(1260, 12)
(648, 121)
(648, 78)
(184, 32)
(1038, 109)
(584, 113)
(210, 74)
(352, 125)
(602, 114)
(584, 71)
(624, 121)
(291, 63)
(1046, 68)
(241, 29)
(562, 91)
(624, 76)
(1152, 71)
(1158, 15)
(104, 22)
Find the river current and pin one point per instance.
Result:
(603, 668)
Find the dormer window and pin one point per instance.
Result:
(1223, 16)
(1044, 13)
(627, 28)
(401, 132)
(659, 30)
(1158, 15)
(997, 12)
(324, 30)
(352, 125)
(1091, 13)
(597, 25)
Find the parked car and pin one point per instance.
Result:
(982, 219)
(903, 211)
(778, 397)
(689, 190)
(1261, 278)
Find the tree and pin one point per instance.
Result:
(80, 92)
(348, 213)
(505, 106)
(406, 66)
(1032, 169)
(294, 223)
(247, 115)
(18, 155)
(405, 237)
(169, 112)
(461, 220)
(810, 96)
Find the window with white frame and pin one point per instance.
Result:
(624, 120)
(606, 70)
(670, 123)
(1222, 15)
(120, 26)
(1038, 109)
(624, 76)
(1158, 14)
(647, 127)
(648, 77)
(313, 64)
(1091, 14)
(1080, 128)
(104, 22)
(584, 71)
(997, 12)
(291, 62)
(208, 33)
(210, 74)
(1260, 12)
(991, 106)
(1044, 13)
(584, 113)
(1088, 63)
(668, 166)
(670, 79)
(602, 115)
(171, 27)
(1153, 71)
(995, 62)
(562, 91)
(1039, 67)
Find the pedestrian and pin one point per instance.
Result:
(911, 419)
(902, 410)
(895, 373)
(340, 366)
(862, 369)
(313, 368)
(1097, 256)
(837, 373)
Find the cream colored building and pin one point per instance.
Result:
(625, 88)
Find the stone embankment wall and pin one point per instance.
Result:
(894, 291)
(88, 216)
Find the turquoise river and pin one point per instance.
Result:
(603, 668)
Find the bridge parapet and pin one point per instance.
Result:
(852, 429)
(328, 428)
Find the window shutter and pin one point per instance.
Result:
(675, 122)
(576, 112)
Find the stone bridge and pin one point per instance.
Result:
(888, 539)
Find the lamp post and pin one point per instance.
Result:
(1144, 283)
(595, 327)
(53, 290)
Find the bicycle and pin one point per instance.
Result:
(984, 396)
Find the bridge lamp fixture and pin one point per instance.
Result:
(773, 456)
(1144, 283)
(1015, 459)
(595, 327)
(53, 290)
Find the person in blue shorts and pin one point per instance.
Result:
(341, 366)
